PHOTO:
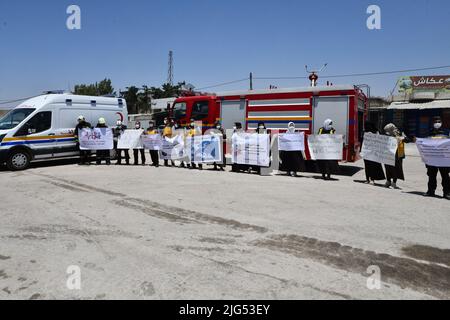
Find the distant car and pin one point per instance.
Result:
(41, 128)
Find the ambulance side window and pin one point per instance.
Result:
(41, 122)
(200, 110)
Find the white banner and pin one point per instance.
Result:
(173, 148)
(204, 149)
(152, 141)
(326, 146)
(96, 139)
(292, 142)
(379, 148)
(130, 139)
(434, 152)
(251, 149)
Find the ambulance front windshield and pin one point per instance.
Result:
(13, 118)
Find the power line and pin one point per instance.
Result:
(223, 84)
(356, 74)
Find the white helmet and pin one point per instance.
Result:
(101, 121)
(81, 118)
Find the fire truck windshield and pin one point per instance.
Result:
(179, 110)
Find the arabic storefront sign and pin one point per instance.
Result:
(424, 83)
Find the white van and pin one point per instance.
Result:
(42, 127)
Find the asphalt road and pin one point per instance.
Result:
(169, 233)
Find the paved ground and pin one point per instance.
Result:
(169, 233)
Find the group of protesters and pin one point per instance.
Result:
(166, 131)
(291, 162)
(374, 170)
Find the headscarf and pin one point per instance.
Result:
(327, 124)
(291, 127)
(391, 130)
(263, 130)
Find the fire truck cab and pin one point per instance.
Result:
(307, 107)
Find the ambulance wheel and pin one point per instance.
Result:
(18, 160)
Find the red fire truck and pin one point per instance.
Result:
(307, 107)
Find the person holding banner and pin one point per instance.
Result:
(138, 150)
(220, 132)
(292, 161)
(393, 174)
(326, 166)
(438, 133)
(374, 170)
(193, 131)
(180, 130)
(261, 129)
(167, 133)
(154, 154)
(84, 154)
(237, 167)
(118, 130)
(102, 154)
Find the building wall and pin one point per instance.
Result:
(417, 123)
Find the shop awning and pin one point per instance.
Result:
(437, 104)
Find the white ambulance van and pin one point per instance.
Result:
(42, 127)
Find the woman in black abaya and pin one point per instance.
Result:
(292, 161)
(374, 170)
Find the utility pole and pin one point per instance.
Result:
(170, 69)
(251, 80)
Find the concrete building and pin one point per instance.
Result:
(378, 111)
(158, 105)
(419, 99)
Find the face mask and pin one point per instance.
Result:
(165, 122)
(437, 125)
(291, 129)
(218, 127)
(234, 128)
(192, 124)
(261, 128)
(137, 127)
(119, 123)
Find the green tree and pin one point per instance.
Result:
(167, 90)
(139, 99)
(105, 87)
(102, 88)
(131, 97)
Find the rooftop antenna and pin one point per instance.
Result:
(313, 77)
(170, 69)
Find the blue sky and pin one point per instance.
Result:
(215, 41)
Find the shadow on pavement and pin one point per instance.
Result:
(348, 170)
(45, 164)
(421, 193)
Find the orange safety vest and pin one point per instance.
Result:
(401, 149)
